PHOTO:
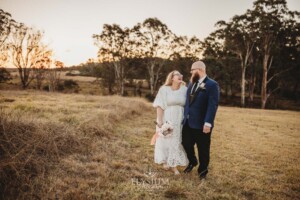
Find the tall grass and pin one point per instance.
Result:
(40, 132)
(71, 146)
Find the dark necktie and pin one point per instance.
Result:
(194, 87)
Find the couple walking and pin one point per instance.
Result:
(191, 110)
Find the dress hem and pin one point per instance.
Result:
(182, 165)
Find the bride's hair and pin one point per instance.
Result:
(168, 81)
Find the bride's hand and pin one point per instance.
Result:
(158, 125)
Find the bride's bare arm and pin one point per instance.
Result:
(160, 115)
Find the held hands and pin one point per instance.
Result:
(206, 129)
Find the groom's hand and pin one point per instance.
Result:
(206, 129)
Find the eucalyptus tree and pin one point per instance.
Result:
(154, 41)
(185, 51)
(6, 26)
(224, 66)
(187, 47)
(53, 75)
(116, 46)
(275, 24)
(26, 52)
(42, 66)
(239, 37)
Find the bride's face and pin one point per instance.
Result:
(177, 77)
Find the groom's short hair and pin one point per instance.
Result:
(198, 65)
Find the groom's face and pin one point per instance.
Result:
(195, 75)
(194, 71)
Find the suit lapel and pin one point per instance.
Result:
(188, 92)
(193, 97)
(204, 81)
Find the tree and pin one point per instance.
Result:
(115, 46)
(107, 77)
(224, 65)
(154, 39)
(239, 38)
(184, 52)
(184, 47)
(275, 22)
(255, 65)
(6, 26)
(53, 76)
(41, 67)
(26, 51)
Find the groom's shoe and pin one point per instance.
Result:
(189, 168)
(202, 175)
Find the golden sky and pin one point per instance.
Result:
(70, 24)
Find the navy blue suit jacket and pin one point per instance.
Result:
(204, 105)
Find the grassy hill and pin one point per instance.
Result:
(76, 146)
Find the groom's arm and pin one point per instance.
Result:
(213, 101)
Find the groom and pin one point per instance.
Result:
(199, 114)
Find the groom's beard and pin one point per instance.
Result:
(195, 78)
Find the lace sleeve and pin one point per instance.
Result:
(160, 99)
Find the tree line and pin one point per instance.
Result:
(258, 50)
(252, 55)
(23, 47)
(264, 42)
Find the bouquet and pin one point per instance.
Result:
(166, 129)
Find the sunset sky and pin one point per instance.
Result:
(70, 24)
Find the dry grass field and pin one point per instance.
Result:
(75, 146)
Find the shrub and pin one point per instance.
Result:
(70, 84)
(60, 87)
(4, 75)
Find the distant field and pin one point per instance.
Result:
(77, 78)
(93, 86)
(87, 84)
(14, 73)
(75, 146)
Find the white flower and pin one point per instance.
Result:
(202, 86)
(166, 129)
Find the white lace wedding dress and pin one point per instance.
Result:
(169, 150)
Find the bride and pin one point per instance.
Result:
(169, 102)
